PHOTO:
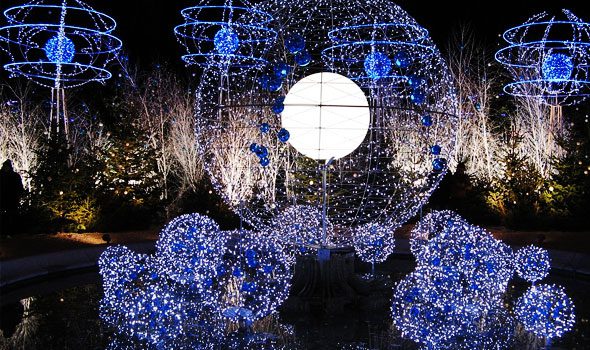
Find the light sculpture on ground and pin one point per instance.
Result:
(387, 173)
(546, 311)
(59, 44)
(455, 297)
(253, 279)
(373, 243)
(532, 263)
(548, 57)
(231, 37)
(200, 280)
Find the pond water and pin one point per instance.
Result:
(63, 314)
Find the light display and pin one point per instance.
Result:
(381, 175)
(231, 37)
(59, 44)
(199, 281)
(546, 311)
(194, 243)
(327, 116)
(431, 225)
(253, 279)
(548, 56)
(455, 294)
(532, 263)
(373, 242)
(299, 227)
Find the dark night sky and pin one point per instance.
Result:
(145, 26)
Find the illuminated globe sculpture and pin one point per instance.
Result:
(59, 44)
(343, 118)
(548, 57)
(232, 36)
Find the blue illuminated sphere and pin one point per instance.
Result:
(426, 120)
(53, 52)
(226, 41)
(294, 43)
(261, 151)
(281, 69)
(264, 128)
(264, 161)
(283, 135)
(439, 164)
(253, 147)
(303, 58)
(278, 106)
(402, 59)
(557, 66)
(417, 97)
(377, 65)
(435, 150)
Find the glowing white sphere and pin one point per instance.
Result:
(327, 115)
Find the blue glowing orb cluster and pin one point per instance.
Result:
(430, 226)
(412, 104)
(373, 242)
(455, 299)
(71, 47)
(532, 263)
(546, 311)
(300, 228)
(548, 57)
(231, 37)
(198, 282)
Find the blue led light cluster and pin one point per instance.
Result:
(546, 311)
(300, 228)
(232, 37)
(69, 50)
(546, 64)
(199, 281)
(532, 263)
(455, 297)
(373, 242)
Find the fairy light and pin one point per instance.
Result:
(532, 263)
(546, 311)
(240, 35)
(63, 52)
(544, 63)
(373, 242)
(392, 172)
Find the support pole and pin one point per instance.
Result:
(324, 201)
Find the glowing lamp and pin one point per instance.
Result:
(327, 116)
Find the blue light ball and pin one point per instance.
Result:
(264, 161)
(294, 43)
(557, 66)
(426, 120)
(53, 52)
(303, 58)
(283, 135)
(377, 65)
(226, 41)
(253, 147)
(439, 164)
(435, 150)
(281, 70)
(402, 59)
(417, 96)
(278, 106)
(261, 151)
(264, 128)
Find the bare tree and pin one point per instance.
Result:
(477, 141)
(21, 131)
(183, 143)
